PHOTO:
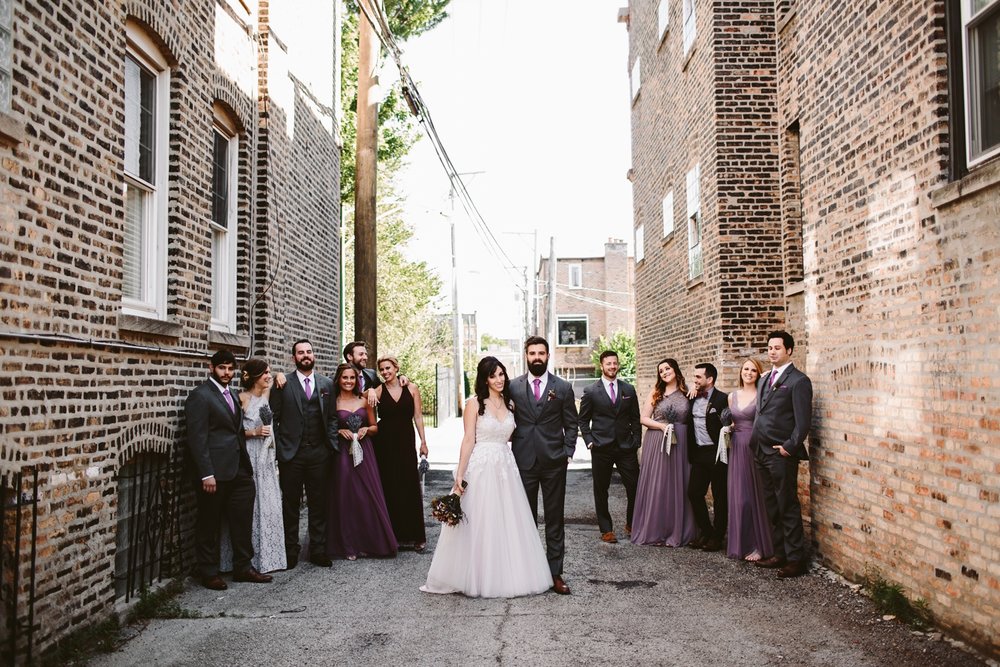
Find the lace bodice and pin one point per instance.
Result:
(675, 406)
(489, 429)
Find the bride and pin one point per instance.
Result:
(495, 550)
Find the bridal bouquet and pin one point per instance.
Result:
(725, 437)
(669, 437)
(448, 509)
(354, 422)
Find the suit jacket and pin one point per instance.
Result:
(606, 424)
(372, 379)
(717, 402)
(215, 434)
(784, 413)
(287, 405)
(545, 430)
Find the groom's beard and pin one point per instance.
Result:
(537, 368)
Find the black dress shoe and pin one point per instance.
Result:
(697, 543)
(252, 576)
(321, 561)
(214, 583)
(291, 560)
(712, 545)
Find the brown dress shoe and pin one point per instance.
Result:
(214, 583)
(770, 563)
(609, 537)
(252, 576)
(628, 529)
(794, 568)
(712, 545)
(559, 586)
(697, 543)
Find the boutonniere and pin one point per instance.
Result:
(713, 411)
(323, 393)
(551, 394)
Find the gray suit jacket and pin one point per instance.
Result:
(214, 433)
(784, 413)
(286, 404)
(545, 430)
(603, 423)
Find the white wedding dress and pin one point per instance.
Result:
(495, 551)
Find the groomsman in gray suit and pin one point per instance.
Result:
(543, 443)
(301, 407)
(784, 416)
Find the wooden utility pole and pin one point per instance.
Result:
(366, 160)
(553, 329)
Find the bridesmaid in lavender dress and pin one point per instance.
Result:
(749, 535)
(663, 514)
(357, 521)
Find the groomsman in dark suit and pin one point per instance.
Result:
(784, 417)
(301, 407)
(704, 426)
(543, 443)
(609, 425)
(356, 353)
(224, 479)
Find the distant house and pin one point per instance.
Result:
(593, 298)
(169, 187)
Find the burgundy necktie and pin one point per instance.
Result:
(309, 391)
(538, 389)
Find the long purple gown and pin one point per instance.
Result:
(749, 530)
(357, 522)
(663, 514)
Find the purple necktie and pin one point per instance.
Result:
(229, 400)
(611, 390)
(309, 391)
(774, 377)
(538, 389)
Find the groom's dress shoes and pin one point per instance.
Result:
(321, 561)
(559, 586)
(252, 576)
(794, 568)
(609, 537)
(214, 583)
(771, 563)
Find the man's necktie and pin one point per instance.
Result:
(309, 391)
(229, 400)
(611, 390)
(538, 389)
(774, 378)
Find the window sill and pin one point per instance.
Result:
(667, 238)
(688, 56)
(795, 288)
(981, 178)
(695, 282)
(786, 19)
(146, 325)
(226, 339)
(12, 131)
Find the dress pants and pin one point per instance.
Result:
(233, 499)
(779, 476)
(308, 469)
(706, 471)
(551, 478)
(603, 460)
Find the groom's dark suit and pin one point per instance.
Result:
(218, 448)
(784, 416)
(543, 441)
(612, 433)
(303, 450)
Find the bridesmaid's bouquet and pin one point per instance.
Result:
(354, 422)
(266, 417)
(669, 437)
(725, 437)
(448, 509)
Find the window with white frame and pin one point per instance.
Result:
(662, 19)
(689, 24)
(572, 330)
(575, 275)
(640, 243)
(694, 224)
(225, 153)
(668, 214)
(6, 52)
(634, 78)
(147, 104)
(981, 54)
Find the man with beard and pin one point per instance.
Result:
(543, 443)
(224, 476)
(300, 410)
(356, 354)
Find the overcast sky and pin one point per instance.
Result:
(535, 94)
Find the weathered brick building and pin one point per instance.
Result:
(830, 168)
(169, 187)
(594, 297)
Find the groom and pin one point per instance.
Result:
(543, 443)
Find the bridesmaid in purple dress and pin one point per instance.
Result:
(749, 535)
(357, 521)
(663, 514)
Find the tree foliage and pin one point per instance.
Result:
(622, 343)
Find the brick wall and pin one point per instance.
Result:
(85, 390)
(823, 130)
